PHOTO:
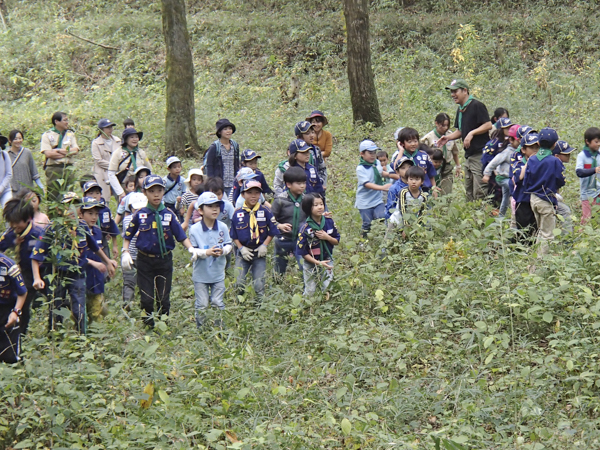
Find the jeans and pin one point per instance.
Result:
(370, 214)
(154, 277)
(474, 187)
(258, 266)
(129, 284)
(505, 197)
(283, 249)
(216, 294)
(316, 274)
(74, 285)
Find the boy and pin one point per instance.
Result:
(287, 217)
(524, 217)
(105, 220)
(250, 159)
(388, 172)
(158, 228)
(412, 200)
(438, 161)
(174, 185)
(123, 209)
(563, 151)
(402, 165)
(587, 169)
(305, 131)
(12, 300)
(66, 241)
(408, 139)
(212, 238)
(22, 236)
(128, 123)
(315, 244)
(544, 176)
(370, 184)
(252, 231)
(136, 202)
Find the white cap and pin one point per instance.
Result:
(397, 133)
(137, 200)
(172, 160)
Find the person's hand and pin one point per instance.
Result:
(458, 172)
(115, 251)
(102, 268)
(121, 197)
(126, 261)
(442, 141)
(598, 169)
(262, 251)
(467, 140)
(327, 264)
(196, 253)
(112, 267)
(179, 199)
(215, 251)
(284, 227)
(38, 284)
(386, 187)
(13, 318)
(322, 235)
(328, 214)
(246, 253)
(485, 179)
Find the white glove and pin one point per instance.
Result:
(227, 249)
(126, 261)
(262, 251)
(246, 253)
(197, 253)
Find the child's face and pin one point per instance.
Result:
(411, 145)
(195, 181)
(317, 124)
(442, 128)
(564, 158)
(505, 131)
(530, 150)
(403, 168)
(89, 216)
(383, 160)
(514, 142)
(303, 157)
(296, 188)
(368, 156)
(594, 144)
(226, 132)
(253, 164)
(211, 211)
(437, 163)
(414, 183)
(318, 208)
(95, 193)
(310, 136)
(175, 169)
(140, 178)
(219, 194)
(18, 227)
(252, 196)
(155, 195)
(34, 201)
(130, 187)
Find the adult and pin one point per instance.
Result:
(5, 173)
(103, 147)
(223, 155)
(472, 124)
(125, 160)
(324, 138)
(58, 147)
(24, 169)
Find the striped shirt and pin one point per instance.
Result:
(132, 248)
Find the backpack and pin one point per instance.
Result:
(217, 144)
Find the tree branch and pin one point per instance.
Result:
(108, 47)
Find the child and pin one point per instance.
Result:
(129, 184)
(66, 241)
(388, 173)
(123, 209)
(370, 184)
(194, 179)
(323, 138)
(216, 186)
(174, 185)
(544, 176)
(412, 200)
(587, 169)
(501, 166)
(437, 159)
(252, 231)
(299, 152)
(211, 237)
(137, 202)
(128, 123)
(305, 131)
(562, 150)
(402, 166)
(22, 236)
(409, 141)
(12, 300)
(315, 244)
(499, 113)
(39, 218)
(243, 175)
(287, 217)
(449, 153)
(105, 220)
(497, 143)
(158, 228)
(250, 159)
(524, 217)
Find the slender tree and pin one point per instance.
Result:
(180, 122)
(365, 107)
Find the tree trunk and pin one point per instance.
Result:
(365, 107)
(180, 136)
(3, 14)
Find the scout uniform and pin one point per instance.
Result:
(126, 161)
(421, 159)
(61, 168)
(106, 223)
(11, 286)
(450, 150)
(173, 188)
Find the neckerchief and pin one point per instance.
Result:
(132, 155)
(61, 136)
(444, 148)
(296, 217)
(543, 153)
(411, 156)
(378, 178)
(311, 223)
(162, 244)
(593, 155)
(462, 109)
(254, 234)
(281, 165)
(20, 236)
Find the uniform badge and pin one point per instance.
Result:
(106, 217)
(4, 271)
(143, 216)
(260, 214)
(221, 234)
(240, 214)
(168, 217)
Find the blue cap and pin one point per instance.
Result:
(88, 203)
(302, 127)
(530, 139)
(368, 146)
(249, 155)
(69, 197)
(103, 123)
(153, 180)
(298, 145)
(208, 198)
(401, 161)
(523, 130)
(505, 122)
(245, 173)
(562, 148)
(548, 137)
(89, 185)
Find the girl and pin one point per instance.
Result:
(449, 150)
(222, 159)
(39, 218)
(315, 244)
(299, 152)
(194, 179)
(499, 113)
(324, 139)
(102, 149)
(24, 170)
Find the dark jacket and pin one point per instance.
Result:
(283, 212)
(214, 162)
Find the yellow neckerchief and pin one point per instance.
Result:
(20, 238)
(253, 221)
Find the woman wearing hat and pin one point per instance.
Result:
(125, 160)
(102, 149)
(223, 156)
(324, 138)
(5, 173)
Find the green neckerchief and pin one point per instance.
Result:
(162, 244)
(411, 156)
(132, 155)
(444, 148)
(296, 217)
(311, 223)
(594, 162)
(500, 178)
(462, 109)
(378, 178)
(281, 165)
(543, 153)
(61, 136)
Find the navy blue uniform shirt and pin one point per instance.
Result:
(517, 162)
(30, 236)
(94, 279)
(544, 178)
(11, 282)
(309, 244)
(106, 221)
(147, 240)
(240, 227)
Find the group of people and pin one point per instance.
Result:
(226, 214)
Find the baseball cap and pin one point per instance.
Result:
(530, 139)
(523, 130)
(368, 146)
(548, 137)
(298, 145)
(103, 123)
(69, 197)
(140, 168)
(505, 122)
(245, 173)
(153, 180)
(513, 132)
(88, 203)
(402, 160)
(89, 185)
(208, 198)
(251, 184)
(302, 127)
(457, 83)
(137, 201)
(172, 160)
(249, 155)
(562, 148)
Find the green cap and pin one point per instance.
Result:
(458, 83)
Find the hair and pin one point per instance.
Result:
(24, 192)
(498, 113)
(441, 118)
(425, 148)
(294, 175)
(129, 179)
(127, 122)
(437, 155)
(201, 189)
(591, 134)
(382, 154)
(292, 159)
(57, 117)
(308, 201)
(17, 210)
(214, 184)
(408, 134)
(13, 134)
(415, 172)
